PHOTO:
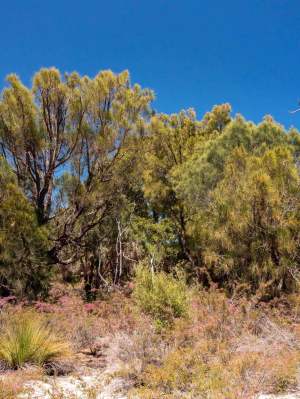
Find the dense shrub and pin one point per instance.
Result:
(160, 295)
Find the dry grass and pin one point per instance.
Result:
(225, 348)
(13, 383)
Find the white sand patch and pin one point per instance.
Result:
(95, 385)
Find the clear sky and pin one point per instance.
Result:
(192, 53)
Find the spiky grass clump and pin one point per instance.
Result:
(26, 338)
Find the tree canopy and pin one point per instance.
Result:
(94, 180)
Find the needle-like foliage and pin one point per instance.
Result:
(26, 338)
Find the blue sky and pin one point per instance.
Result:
(192, 53)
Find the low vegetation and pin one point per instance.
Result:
(226, 349)
(221, 348)
(162, 296)
(26, 338)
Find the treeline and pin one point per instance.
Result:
(93, 181)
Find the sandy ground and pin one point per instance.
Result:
(96, 385)
(94, 381)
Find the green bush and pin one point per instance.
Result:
(26, 338)
(160, 295)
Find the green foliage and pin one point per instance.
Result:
(95, 181)
(199, 175)
(258, 202)
(26, 338)
(241, 190)
(156, 240)
(171, 140)
(23, 243)
(160, 295)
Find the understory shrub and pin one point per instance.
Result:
(161, 295)
(25, 337)
(225, 349)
